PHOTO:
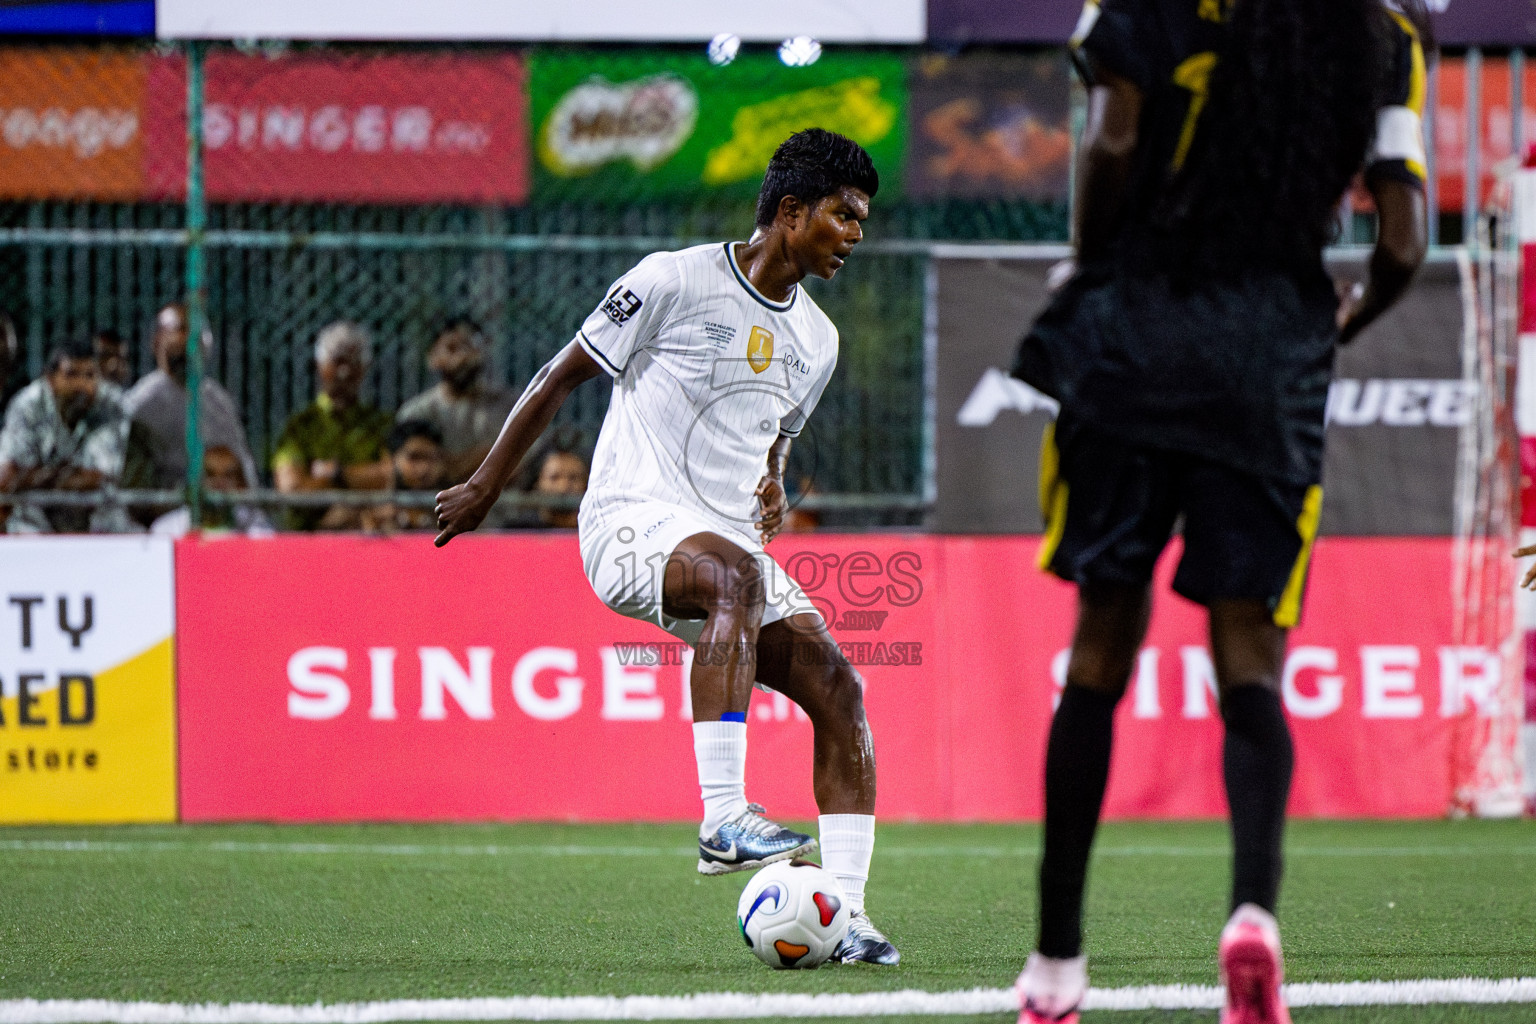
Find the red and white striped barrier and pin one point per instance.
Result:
(1525, 418)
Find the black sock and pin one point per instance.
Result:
(1257, 760)
(1076, 771)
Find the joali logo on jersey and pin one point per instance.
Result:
(620, 307)
(759, 349)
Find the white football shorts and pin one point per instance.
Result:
(625, 560)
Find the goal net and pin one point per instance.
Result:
(1486, 749)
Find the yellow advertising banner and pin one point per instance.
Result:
(87, 680)
(71, 124)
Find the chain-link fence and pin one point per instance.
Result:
(398, 187)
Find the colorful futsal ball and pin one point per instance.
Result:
(793, 914)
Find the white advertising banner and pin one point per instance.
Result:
(834, 21)
(87, 683)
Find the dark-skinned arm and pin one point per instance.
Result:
(462, 508)
(1108, 147)
(1401, 243)
(462, 465)
(771, 498)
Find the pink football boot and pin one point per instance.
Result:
(1050, 990)
(1252, 968)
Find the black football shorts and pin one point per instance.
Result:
(1111, 507)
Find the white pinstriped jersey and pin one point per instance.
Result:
(707, 373)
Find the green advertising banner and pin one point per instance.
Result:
(649, 124)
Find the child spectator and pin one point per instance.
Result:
(416, 451)
(562, 472)
(223, 472)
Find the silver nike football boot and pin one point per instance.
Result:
(864, 944)
(749, 841)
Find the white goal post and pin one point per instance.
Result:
(1487, 763)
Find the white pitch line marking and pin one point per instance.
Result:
(571, 850)
(742, 1006)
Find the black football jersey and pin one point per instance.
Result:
(1236, 370)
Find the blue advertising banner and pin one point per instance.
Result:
(78, 18)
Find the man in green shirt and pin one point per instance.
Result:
(339, 441)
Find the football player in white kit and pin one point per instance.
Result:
(718, 357)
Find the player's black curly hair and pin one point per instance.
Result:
(1291, 111)
(812, 165)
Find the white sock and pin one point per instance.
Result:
(847, 843)
(721, 751)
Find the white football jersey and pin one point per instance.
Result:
(707, 373)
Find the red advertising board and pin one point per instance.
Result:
(355, 678)
(1495, 124)
(387, 128)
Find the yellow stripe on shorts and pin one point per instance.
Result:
(1288, 610)
(1053, 496)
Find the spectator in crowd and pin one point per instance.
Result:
(339, 441)
(560, 472)
(157, 410)
(224, 473)
(464, 406)
(64, 432)
(13, 376)
(416, 451)
(111, 356)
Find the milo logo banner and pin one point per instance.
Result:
(87, 716)
(634, 125)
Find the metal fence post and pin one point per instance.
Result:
(197, 297)
(1431, 149)
(1517, 105)
(1472, 144)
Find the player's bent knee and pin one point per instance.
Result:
(844, 692)
(733, 589)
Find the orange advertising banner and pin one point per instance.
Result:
(71, 124)
(1496, 124)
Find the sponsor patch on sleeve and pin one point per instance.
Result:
(621, 306)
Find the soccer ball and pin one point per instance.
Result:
(792, 914)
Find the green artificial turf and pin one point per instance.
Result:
(236, 913)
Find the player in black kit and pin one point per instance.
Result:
(1191, 347)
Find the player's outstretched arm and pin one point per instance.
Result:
(1400, 247)
(462, 508)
